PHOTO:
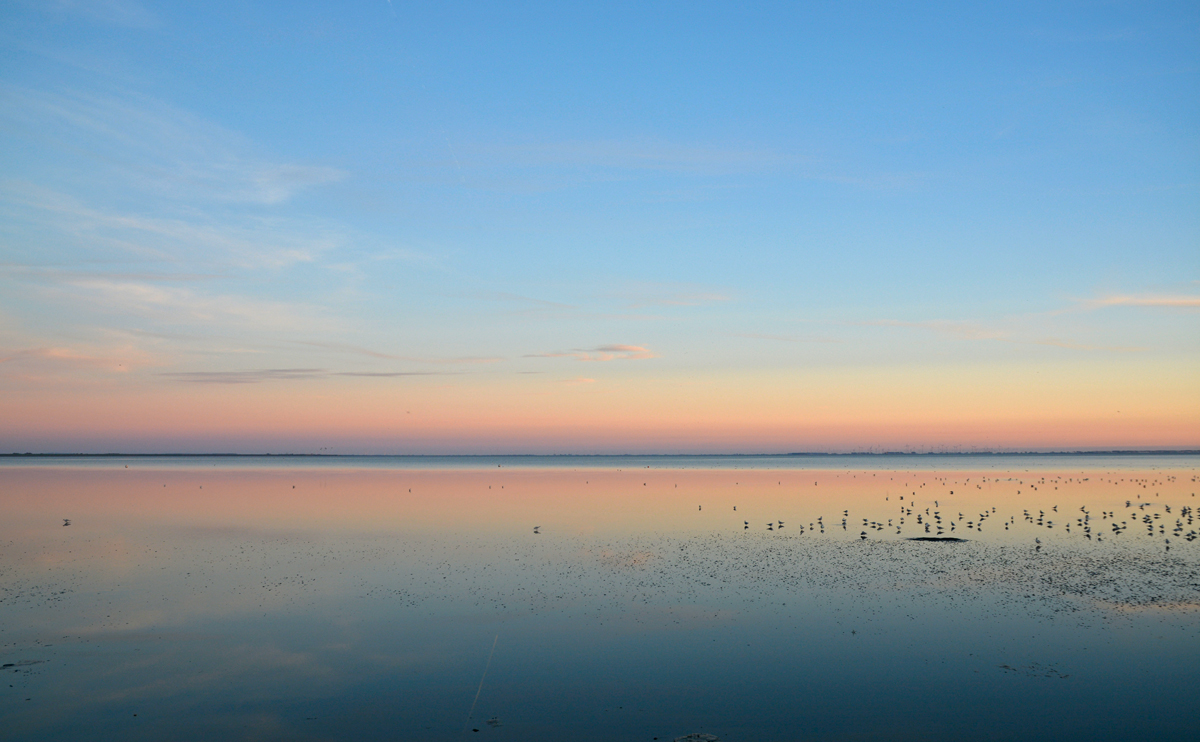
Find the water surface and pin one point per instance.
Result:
(753, 598)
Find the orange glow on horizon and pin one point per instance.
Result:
(771, 411)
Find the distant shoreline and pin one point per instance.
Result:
(863, 454)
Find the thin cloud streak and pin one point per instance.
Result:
(353, 349)
(257, 376)
(504, 296)
(1130, 300)
(781, 338)
(247, 242)
(393, 374)
(173, 153)
(51, 273)
(680, 300)
(668, 294)
(961, 329)
(601, 353)
(178, 305)
(119, 360)
(1082, 346)
(972, 331)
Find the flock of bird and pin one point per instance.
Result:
(935, 526)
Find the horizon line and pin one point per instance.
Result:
(1081, 452)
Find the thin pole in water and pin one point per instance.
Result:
(467, 723)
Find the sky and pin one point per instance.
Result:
(506, 227)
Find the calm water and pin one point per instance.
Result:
(410, 598)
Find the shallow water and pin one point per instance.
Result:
(338, 598)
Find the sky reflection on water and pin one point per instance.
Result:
(288, 600)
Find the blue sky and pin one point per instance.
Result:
(474, 191)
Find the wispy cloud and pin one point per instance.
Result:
(526, 306)
(504, 296)
(966, 330)
(54, 359)
(164, 150)
(247, 377)
(667, 294)
(679, 299)
(1178, 301)
(601, 353)
(353, 349)
(957, 328)
(256, 376)
(54, 274)
(781, 338)
(393, 374)
(174, 305)
(246, 242)
(1084, 346)
(344, 348)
